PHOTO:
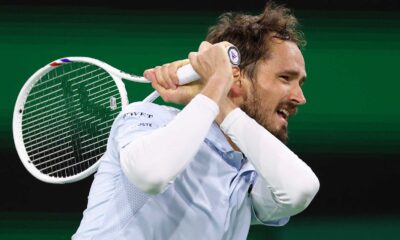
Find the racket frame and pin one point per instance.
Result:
(116, 75)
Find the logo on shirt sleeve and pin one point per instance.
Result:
(145, 124)
(137, 115)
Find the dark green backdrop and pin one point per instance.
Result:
(348, 132)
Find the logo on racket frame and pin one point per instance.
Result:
(234, 55)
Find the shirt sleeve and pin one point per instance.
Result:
(286, 185)
(153, 160)
(268, 212)
(139, 119)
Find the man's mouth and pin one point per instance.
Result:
(283, 113)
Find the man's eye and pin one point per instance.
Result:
(284, 77)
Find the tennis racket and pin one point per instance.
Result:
(64, 112)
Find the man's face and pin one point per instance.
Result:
(275, 93)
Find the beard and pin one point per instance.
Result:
(254, 109)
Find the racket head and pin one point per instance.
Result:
(62, 120)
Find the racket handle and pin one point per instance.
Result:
(186, 74)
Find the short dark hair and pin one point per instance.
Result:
(250, 32)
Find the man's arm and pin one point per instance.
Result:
(155, 159)
(287, 184)
(152, 161)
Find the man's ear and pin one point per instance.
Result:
(237, 89)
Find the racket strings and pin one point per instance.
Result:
(98, 148)
(57, 141)
(68, 167)
(38, 99)
(67, 118)
(44, 151)
(35, 144)
(49, 84)
(58, 117)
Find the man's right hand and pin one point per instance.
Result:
(165, 81)
(211, 62)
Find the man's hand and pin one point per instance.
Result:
(165, 81)
(211, 62)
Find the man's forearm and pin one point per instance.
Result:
(291, 182)
(153, 160)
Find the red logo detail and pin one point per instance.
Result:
(54, 64)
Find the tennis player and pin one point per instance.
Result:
(221, 164)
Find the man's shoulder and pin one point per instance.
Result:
(149, 106)
(149, 111)
(140, 117)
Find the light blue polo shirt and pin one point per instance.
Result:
(210, 199)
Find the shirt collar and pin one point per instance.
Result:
(217, 137)
(217, 140)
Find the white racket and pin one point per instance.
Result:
(64, 112)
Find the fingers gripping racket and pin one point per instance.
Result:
(64, 112)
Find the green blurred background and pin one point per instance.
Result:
(348, 132)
